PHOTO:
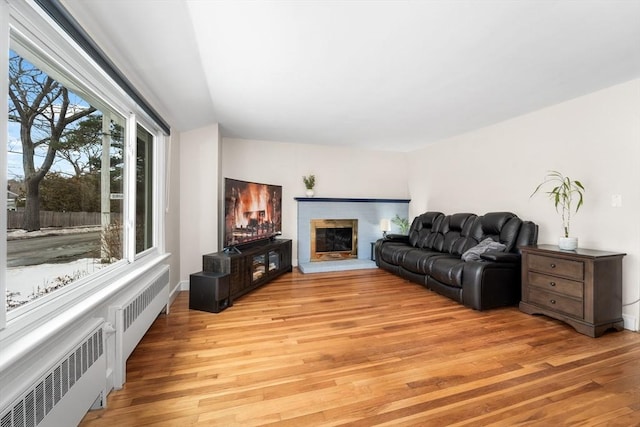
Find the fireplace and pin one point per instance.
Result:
(334, 239)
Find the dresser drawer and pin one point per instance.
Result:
(561, 267)
(556, 302)
(556, 284)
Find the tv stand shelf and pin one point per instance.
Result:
(253, 266)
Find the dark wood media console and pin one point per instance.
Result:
(253, 266)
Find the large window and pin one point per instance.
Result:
(80, 184)
(65, 179)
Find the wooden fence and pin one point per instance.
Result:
(59, 219)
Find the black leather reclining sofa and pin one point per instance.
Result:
(434, 253)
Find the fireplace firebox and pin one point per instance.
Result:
(334, 239)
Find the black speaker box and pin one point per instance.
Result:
(209, 291)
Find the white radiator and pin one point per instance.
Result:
(132, 317)
(65, 391)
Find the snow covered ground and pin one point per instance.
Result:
(21, 234)
(28, 280)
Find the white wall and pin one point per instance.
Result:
(339, 171)
(198, 197)
(594, 138)
(172, 209)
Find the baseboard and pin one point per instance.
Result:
(181, 286)
(630, 322)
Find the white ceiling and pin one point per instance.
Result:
(390, 75)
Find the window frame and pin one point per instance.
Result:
(152, 189)
(4, 134)
(25, 24)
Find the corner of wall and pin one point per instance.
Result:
(199, 188)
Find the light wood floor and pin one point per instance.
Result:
(367, 348)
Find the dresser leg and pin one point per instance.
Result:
(601, 329)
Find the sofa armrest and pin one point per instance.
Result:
(401, 238)
(487, 285)
(500, 257)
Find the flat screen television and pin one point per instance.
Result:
(252, 212)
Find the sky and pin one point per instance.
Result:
(14, 160)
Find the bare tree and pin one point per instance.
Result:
(44, 110)
(82, 146)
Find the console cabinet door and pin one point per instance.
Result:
(274, 260)
(239, 275)
(258, 266)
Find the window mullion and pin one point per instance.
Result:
(130, 195)
(160, 178)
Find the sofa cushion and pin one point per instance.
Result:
(417, 260)
(527, 236)
(393, 252)
(447, 270)
(493, 222)
(435, 238)
(413, 231)
(488, 244)
(502, 227)
(456, 229)
(421, 227)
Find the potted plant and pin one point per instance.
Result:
(567, 196)
(309, 183)
(402, 223)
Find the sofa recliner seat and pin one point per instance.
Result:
(432, 255)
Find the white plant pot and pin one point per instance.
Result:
(310, 193)
(568, 243)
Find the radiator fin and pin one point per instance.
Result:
(42, 397)
(30, 408)
(142, 301)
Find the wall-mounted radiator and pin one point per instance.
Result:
(133, 316)
(62, 395)
(84, 370)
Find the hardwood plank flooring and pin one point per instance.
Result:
(366, 348)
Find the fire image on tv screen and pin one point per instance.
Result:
(252, 212)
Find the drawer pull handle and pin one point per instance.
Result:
(552, 301)
(552, 283)
(553, 266)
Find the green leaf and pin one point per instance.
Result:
(562, 193)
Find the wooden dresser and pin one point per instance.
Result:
(582, 288)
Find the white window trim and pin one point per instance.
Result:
(4, 133)
(29, 23)
(129, 250)
(160, 177)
